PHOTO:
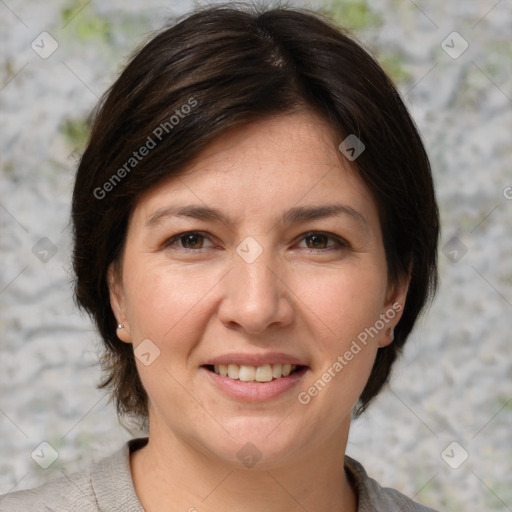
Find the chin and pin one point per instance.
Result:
(261, 443)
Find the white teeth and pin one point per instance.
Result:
(233, 371)
(277, 371)
(248, 373)
(264, 373)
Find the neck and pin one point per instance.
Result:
(170, 474)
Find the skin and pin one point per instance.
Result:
(202, 300)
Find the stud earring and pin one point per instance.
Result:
(120, 326)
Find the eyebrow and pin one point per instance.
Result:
(296, 214)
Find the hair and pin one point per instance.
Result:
(220, 67)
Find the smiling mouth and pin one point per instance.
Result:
(248, 373)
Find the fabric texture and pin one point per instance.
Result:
(107, 486)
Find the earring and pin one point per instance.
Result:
(120, 326)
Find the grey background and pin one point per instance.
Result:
(454, 383)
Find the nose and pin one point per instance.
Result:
(256, 296)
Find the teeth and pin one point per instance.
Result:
(264, 373)
(233, 371)
(277, 371)
(248, 373)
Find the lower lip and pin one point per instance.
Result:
(255, 391)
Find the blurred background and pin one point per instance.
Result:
(442, 431)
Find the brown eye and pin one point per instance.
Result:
(317, 241)
(320, 241)
(192, 241)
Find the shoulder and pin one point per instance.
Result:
(373, 497)
(106, 485)
(71, 492)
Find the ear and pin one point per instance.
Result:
(118, 303)
(393, 309)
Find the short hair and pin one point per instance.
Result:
(224, 66)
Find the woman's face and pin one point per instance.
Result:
(276, 259)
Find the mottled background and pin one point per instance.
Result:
(454, 383)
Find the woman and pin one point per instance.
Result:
(255, 233)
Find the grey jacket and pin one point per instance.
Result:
(107, 486)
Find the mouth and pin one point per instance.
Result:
(248, 373)
(256, 383)
(255, 377)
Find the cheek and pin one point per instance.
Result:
(344, 301)
(163, 302)
(342, 307)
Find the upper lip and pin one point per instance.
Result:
(256, 359)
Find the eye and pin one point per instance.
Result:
(318, 241)
(315, 240)
(191, 240)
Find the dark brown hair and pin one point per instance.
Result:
(219, 67)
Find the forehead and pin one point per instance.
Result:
(262, 167)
